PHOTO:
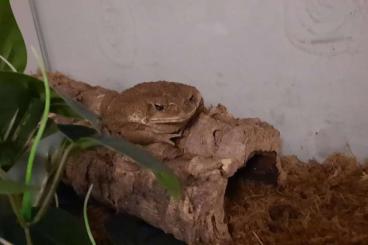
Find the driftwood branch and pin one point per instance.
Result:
(214, 150)
(209, 154)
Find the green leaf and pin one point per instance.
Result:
(59, 106)
(12, 46)
(170, 181)
(145, 159)
(22, 100)
(20, 111)
(58, 227)
(12, 187)
(15, 94)
(28, 123)
(51, 128)
(81, 110)
(16, 91)
(76, 132)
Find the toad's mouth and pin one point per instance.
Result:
(169, 120)
(178, 118)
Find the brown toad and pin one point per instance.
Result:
(151, 112)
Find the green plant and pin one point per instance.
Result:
(24, 126)
(85, 215)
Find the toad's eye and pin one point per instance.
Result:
(191, 98)
(159, 107)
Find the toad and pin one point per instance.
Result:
(151, 112)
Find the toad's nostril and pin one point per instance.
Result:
(159, 107)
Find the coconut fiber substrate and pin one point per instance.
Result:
(319, 204)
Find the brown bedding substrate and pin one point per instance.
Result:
(319, 204)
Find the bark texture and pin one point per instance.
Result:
(212, 150)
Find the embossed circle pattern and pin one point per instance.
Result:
(325, 27)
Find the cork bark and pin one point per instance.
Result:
(213, 148)
(211, 152)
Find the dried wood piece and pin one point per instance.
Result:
(211, 151)
(90, 96)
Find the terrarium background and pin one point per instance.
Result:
(300, 65)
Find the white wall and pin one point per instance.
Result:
(300, 65)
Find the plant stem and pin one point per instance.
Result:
(16, 210)
(51, 191)
(13, 203)
(85, 215)
(4, 242)
(27, 204)
(28, 235)
(8, 63)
